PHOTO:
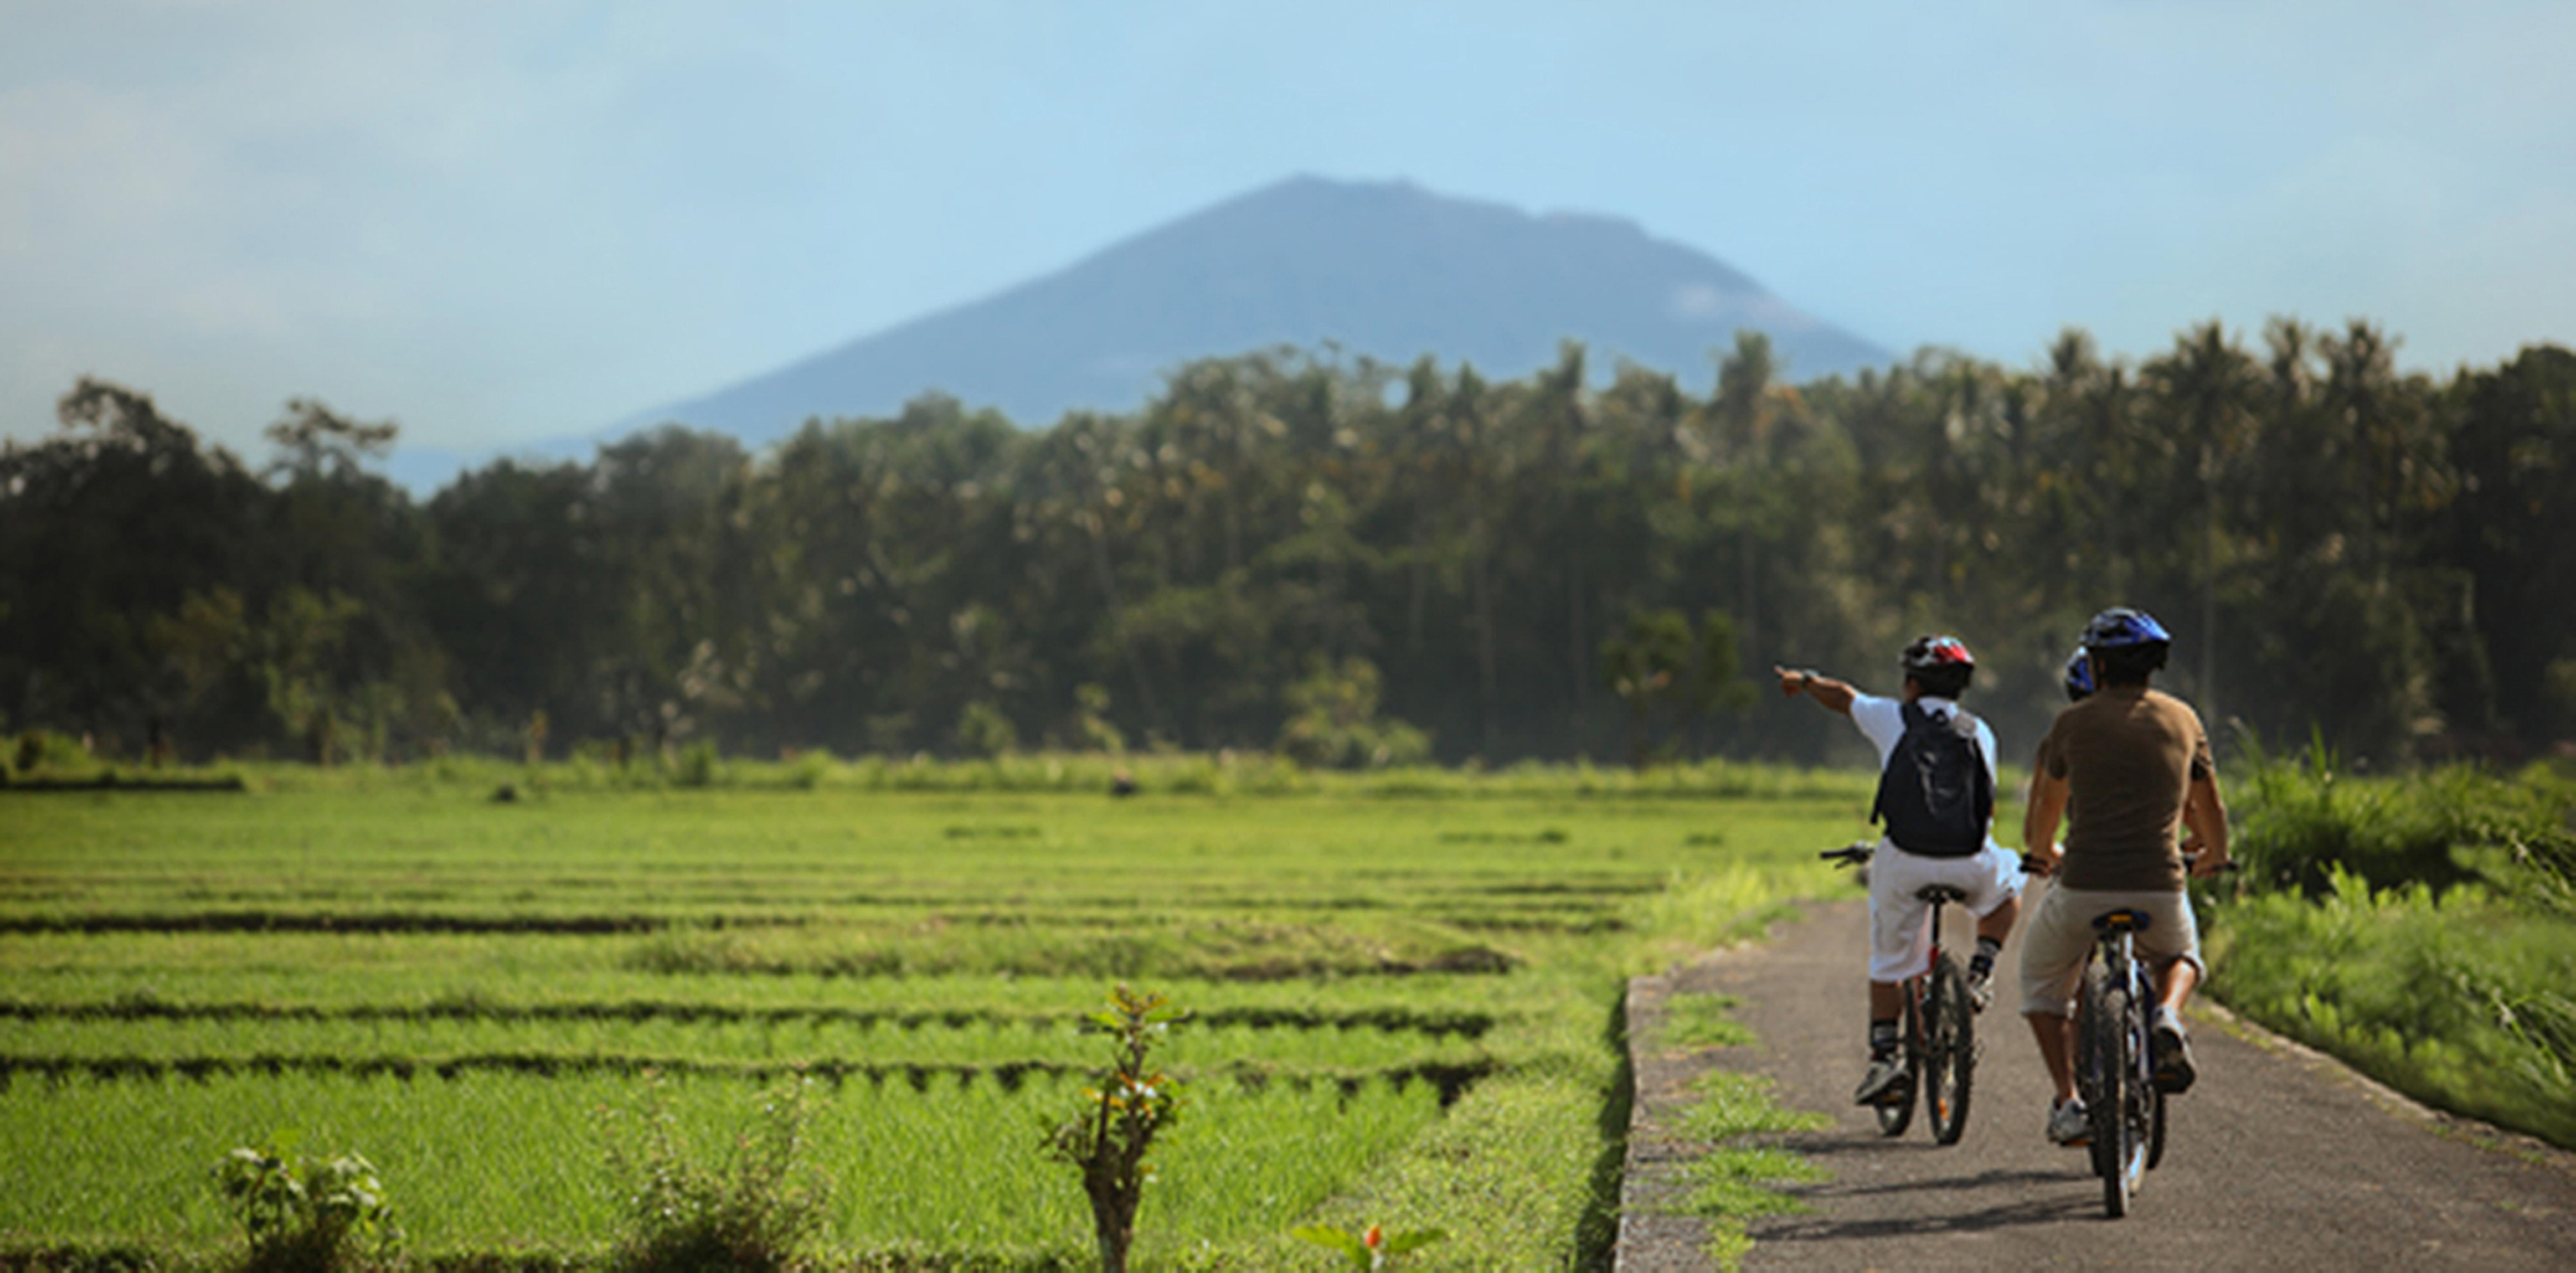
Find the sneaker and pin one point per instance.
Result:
(2171, 1050)
(1884, 1084)
(1981, 989)
(2069, 1124)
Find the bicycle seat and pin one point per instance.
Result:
(2123, 920)
(1940, 893)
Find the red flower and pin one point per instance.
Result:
(1373, 1239)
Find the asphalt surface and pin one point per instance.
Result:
(2277, 1159)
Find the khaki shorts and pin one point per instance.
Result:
(2058, 937)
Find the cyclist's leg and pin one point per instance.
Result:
(2056, 1036)
(1900, 924)
(2171, 948)
(2171, 944)
(2175, 980)
(2054, 946)
(1993, 880)
(1900, 949)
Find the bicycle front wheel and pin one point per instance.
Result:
(1950, 1051)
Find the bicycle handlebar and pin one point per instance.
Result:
(1853, 854)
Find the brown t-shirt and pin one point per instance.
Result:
(2128, 755)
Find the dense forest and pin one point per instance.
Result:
(1346, 560)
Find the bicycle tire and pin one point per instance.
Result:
(2110, 1129)
(1897, 1114)
(1950, 1052)
(2156, 1131)
(2088, 1061)
(2137, 1084)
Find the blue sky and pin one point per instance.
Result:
(499, 223)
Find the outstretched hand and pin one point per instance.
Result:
(1792, 681)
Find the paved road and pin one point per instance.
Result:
(2278, 1160)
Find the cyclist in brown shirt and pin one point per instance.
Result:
(2136, 762)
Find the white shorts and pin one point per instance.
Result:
(1900, 924)
(2058, 937)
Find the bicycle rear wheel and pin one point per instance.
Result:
(2107, 1104)
(1896, 1113)
(2156, 1131)
(1950, 1051)
(2141, 1105)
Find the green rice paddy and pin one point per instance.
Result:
(1406, 997)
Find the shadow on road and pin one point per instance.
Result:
(2070, 1204)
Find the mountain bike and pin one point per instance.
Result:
(1937, 1029)
(2114, 1071)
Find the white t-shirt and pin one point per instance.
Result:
(1882, 721)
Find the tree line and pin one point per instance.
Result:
(1352, 561)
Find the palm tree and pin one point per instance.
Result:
(2208, 388)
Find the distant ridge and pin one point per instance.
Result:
(1385, 269)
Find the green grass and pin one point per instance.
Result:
(483, 1163)
(2421, 927)
(1738, 1178)
(1703, 1021)
(1408, 987)
(2461, 1000)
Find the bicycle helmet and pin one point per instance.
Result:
(2120, 627)
(1940, 664)
(2127, 645)
(2079, 676)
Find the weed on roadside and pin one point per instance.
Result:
(1703, 1021)
(1738, 1181)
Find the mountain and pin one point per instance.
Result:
(1386, 269)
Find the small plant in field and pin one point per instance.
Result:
(1109, 1139)
(747, 1210)
(1370, 1249)
(306, 1215)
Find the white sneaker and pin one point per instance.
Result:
(2069, 1124)
(1884, 1084)
(2170, 1047)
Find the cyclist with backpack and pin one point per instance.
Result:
(1936, 797)
(2135, 763)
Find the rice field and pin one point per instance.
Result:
(1405, 1002)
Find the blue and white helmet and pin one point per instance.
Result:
(2079, 676)
(2121, 628)
(2127, 641)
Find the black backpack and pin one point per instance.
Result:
(1935, 794)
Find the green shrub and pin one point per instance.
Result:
(1107, 1142)
(750, 1207)
(306, 1215)
(984, 732)
(2460, 1000)
(2298, 822)
(48, 750)
(1333, 721)
(2420, 926)
(807, 771)
(700, 765)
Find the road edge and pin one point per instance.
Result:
(2472, 1131)
(1651, 1238)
